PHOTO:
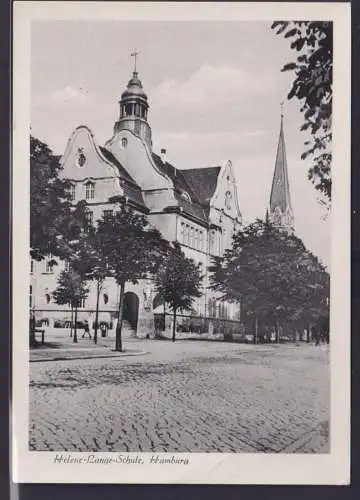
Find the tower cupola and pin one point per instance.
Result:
(134, 108)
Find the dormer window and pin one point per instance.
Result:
(185, 196)
(89, 190)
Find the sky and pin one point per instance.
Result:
(214, 90)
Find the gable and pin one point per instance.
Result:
(83, 159)
(225, 197)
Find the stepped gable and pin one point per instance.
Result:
(131, 190)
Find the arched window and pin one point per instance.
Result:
(31, 266)
(106, 298)
(124, 142)
(30, 296)
(47, 298)
(89, 190)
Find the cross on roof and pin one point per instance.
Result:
(134, 55)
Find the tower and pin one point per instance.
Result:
(134, 108)
(280, 210)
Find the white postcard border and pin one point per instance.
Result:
(215, 468)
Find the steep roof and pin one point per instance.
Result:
(131, 189)
(203, 181)
(280, 190)
(111, 158)
(181, 185)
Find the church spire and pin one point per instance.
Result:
(281, 213)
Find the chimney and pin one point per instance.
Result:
(163, 155)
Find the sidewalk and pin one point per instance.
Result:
(60, 347)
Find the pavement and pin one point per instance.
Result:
(186, 396)
(60, 346)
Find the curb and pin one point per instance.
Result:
(101, 356)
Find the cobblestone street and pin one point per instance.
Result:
(184, 397)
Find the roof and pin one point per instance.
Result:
(195, 207)
(111, 158)
(131, 189)
(203, 181)
(280, 190)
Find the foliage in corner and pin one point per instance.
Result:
(312, 85)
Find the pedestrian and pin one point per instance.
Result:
(86, 330)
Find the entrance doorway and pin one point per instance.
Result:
(131, 312)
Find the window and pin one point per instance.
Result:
(124, 142)
(191, 239)
(106, 298)
(49, 268)
(31, 266)
(30, 297)
(201, 242)
(47, 298)
(182, 230)
(197, 238)
(108, 214)
(90, 191)
(89, 217)
(72, 192)
(212, 242)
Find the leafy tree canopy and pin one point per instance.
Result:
(179, 280)
(53, 220)
(132, 248)
(313, 87)
(70, 289)
(273, 274)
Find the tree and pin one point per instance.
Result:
(277, 278)
(132, 249)
(71, 290)
(89, 260)
(313, 87)
(178, 282)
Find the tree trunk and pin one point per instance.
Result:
(71, 321)
(118, 341)
(97, 312)
(174, 326)
(75, 327)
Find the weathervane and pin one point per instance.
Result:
(134, 55)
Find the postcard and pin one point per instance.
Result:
(181, 236)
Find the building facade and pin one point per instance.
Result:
(199, 208)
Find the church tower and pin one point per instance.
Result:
(280, 210)
(134, 109)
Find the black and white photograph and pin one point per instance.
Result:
(180, 207)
